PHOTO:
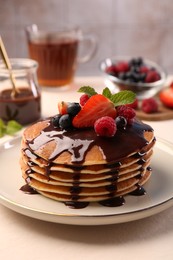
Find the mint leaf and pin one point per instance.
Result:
(12, 127)
(88, 90)
(2, 128)
(123, 97)
(106, 92)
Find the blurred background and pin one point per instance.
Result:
(123, 27)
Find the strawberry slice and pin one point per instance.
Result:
(62, 107)
(166, 97)
(97, 106)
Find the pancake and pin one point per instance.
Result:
(77, 165)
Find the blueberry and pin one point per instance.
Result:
(132, 62)
(136, 62)
(135, 77)
(121, 122)
(139, 61)
(142, 77)
(55, 120)
(73, 109)
(129, 76)
(122, 76)
(65, 122)
(134, 69)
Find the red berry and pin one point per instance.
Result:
(149, 105)
(152, 76)
(133, 105)
(83, 99)
(127, 112)
(105, 126)
(166, 97)
(143, 69)
(171, 85)
(111, 70)
(97, 106)
(122, 66)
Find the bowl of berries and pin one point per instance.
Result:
(142, 76)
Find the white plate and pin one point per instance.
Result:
(159, 193)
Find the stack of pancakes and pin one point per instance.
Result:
(85, 169)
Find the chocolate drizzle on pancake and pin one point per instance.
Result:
(79, 141)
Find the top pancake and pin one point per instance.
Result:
(83, 146)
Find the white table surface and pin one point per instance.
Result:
(26, 238)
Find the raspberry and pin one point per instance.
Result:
(133, 105)
(105, 126)
(127, 112)
(111, 70)
(122, 66)
(152, 76)
(83, 99)
(144, 69)
(149, 105)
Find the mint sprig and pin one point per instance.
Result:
(2, 128)
(88, 90)
(107, 93)
(9, 128)
(121, 98)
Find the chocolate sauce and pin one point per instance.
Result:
(76, 205)
(113, 202)
(79, 141)
(25, 108)
(27, 189)
(140, 191)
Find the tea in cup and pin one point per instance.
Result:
(57, 53)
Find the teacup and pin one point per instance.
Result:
(57, 53)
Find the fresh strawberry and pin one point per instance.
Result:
(166, 97)
(62, 107)
(97, 106)
(171, 85)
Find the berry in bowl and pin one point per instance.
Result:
(139, 75)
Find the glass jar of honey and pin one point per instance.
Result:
(25, 106)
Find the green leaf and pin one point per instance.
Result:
(88, 90)
(123, 98)
(2, 128)
(106, 92)
(12, 127)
